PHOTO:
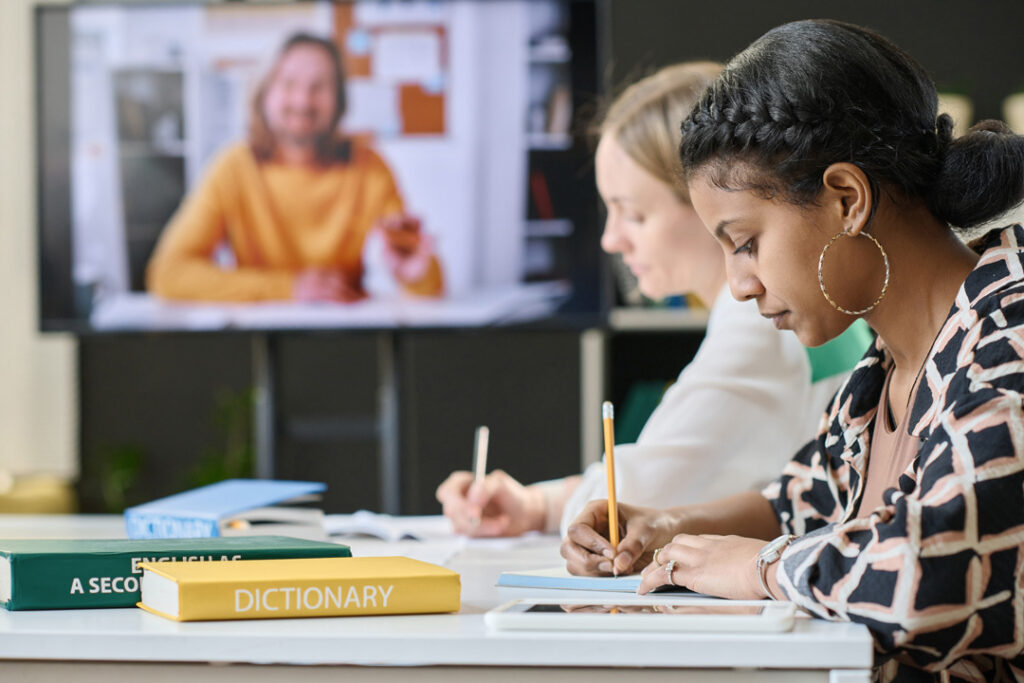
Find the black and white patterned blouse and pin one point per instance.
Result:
(937, 573)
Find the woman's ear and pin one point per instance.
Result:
(848, 189)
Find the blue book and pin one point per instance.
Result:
(560, 578)
(228, 508)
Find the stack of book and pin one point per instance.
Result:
(181, 562)
(266, 589)
(230, 508)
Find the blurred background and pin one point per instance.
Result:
(97, 422)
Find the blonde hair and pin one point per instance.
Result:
(645, 119)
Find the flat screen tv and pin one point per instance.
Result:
(207, 166)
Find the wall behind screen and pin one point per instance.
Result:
(973, 49)
(38, 392)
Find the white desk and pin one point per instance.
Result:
(133, 311)
(104, 645)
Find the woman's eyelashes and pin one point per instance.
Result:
(745, 248)
(617, 211)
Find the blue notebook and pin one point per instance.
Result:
(560, 578)
(230, 507)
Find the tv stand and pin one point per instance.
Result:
(386, 427)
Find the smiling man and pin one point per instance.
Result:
(294, 203)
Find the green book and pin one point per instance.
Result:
(89, 574)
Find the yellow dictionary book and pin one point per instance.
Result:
(315, 587)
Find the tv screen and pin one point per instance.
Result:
(207, 166)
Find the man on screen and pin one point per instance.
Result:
(294, 203)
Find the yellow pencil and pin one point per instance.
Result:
(608, 413)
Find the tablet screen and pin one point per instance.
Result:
(724, 609)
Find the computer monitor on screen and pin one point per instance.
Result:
(300, 165)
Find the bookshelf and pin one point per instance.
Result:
(549, 141)
(553, 227)
(152, 156)
(561, 77)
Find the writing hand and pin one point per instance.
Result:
(497, 506)
(586, 548)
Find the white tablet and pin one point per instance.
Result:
(642, 614)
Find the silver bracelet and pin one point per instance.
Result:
(762, 569)
(769, 554)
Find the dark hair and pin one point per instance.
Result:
(331, 147)
(812, 93)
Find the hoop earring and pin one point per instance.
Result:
(821, 279)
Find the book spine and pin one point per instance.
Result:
(148, 525)
(262, 599)
(100, 580)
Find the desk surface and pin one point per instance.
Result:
(482, 306)
(131, 635)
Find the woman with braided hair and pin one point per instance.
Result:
(820, 163)
(689, 450)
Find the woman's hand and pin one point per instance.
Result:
(723, 566)
(408, 251)
(586, 548)
(497, 506)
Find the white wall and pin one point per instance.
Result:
(477, 211)
(38, 410)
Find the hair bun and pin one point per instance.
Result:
(991, 126)
(982, 175)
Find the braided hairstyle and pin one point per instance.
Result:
(812, 93)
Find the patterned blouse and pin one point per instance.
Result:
(937, 573)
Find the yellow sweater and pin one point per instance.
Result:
(278, 219)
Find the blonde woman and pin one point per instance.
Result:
(748, 391)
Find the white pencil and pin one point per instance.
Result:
(480, 454)
(479, 462)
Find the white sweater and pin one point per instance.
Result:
(736, 414)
